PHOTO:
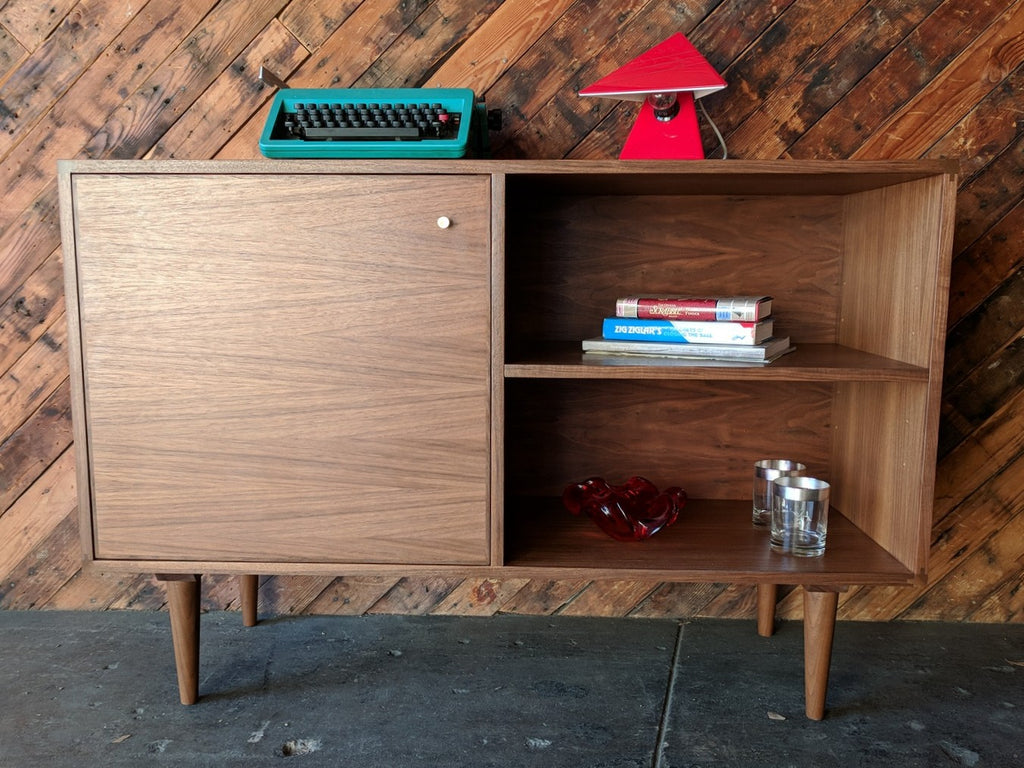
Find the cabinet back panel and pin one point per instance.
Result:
(673, 432)
(261, 376)
(569, 258)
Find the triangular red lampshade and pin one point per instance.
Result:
(671, 67)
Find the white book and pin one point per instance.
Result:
(763, 352)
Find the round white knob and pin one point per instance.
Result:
(444, 222)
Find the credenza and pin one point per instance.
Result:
(341, 367)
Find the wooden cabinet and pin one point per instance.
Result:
(325, 367)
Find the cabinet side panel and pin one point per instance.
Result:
(285, 368)
(882, 476)
(66, 192)
(895, 271)
(497, 434)
(897, 251)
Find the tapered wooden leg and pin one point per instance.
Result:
(183, 603)
(767, 596)
(248, 590)
(819, 629)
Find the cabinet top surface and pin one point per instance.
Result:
(898, 169)
(579, 177)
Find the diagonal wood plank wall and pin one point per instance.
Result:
(844, 79)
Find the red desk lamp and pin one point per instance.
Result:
(667, 79)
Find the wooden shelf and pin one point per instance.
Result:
(712, 540)
(808, 362)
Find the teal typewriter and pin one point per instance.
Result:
(375, 122)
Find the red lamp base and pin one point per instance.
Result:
(675, 139)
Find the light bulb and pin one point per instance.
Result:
(665, 105)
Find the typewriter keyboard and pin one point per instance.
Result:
(311, 121)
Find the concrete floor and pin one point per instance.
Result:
(99, 689)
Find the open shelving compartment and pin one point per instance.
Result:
(856, 256)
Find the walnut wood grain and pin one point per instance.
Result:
(266, 378)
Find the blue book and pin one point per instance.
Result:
(687, 331)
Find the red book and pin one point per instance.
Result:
(728, 308)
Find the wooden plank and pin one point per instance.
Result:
(987, 451)
(129, 58)
(351, 595)
(313, 21)
(609, 598)
(145, 115)
(790, 44)
(991, 259)
(12, 53)
(995, 565)
(543, 598)
(989, 196)
(38, 511)
(981, 394)
(495, 47)
(735, 600)
(586, 43)
(33, 378)
(434, 36)
(902, 74)
(478, 597)
(415, 595)
(986, 130)
(674, 599)
(26, 454)
(220, 593)
(53, 560)
(31, 22)
(1003, 605)
(351, 49)
(991, 326)
(733, 26)
(144, 593)
(31, 310)
(26, 174)
(27, 241)
(847, 56)
(952, 94)
(356, 43)
(93, 589)
(231, 99)
(52, 67)
(285, 595)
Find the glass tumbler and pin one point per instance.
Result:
(765, 471)
(799, 515)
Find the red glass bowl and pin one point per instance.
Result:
(628, 512)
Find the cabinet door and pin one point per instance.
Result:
(286, 368)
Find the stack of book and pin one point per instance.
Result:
(729, 328)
